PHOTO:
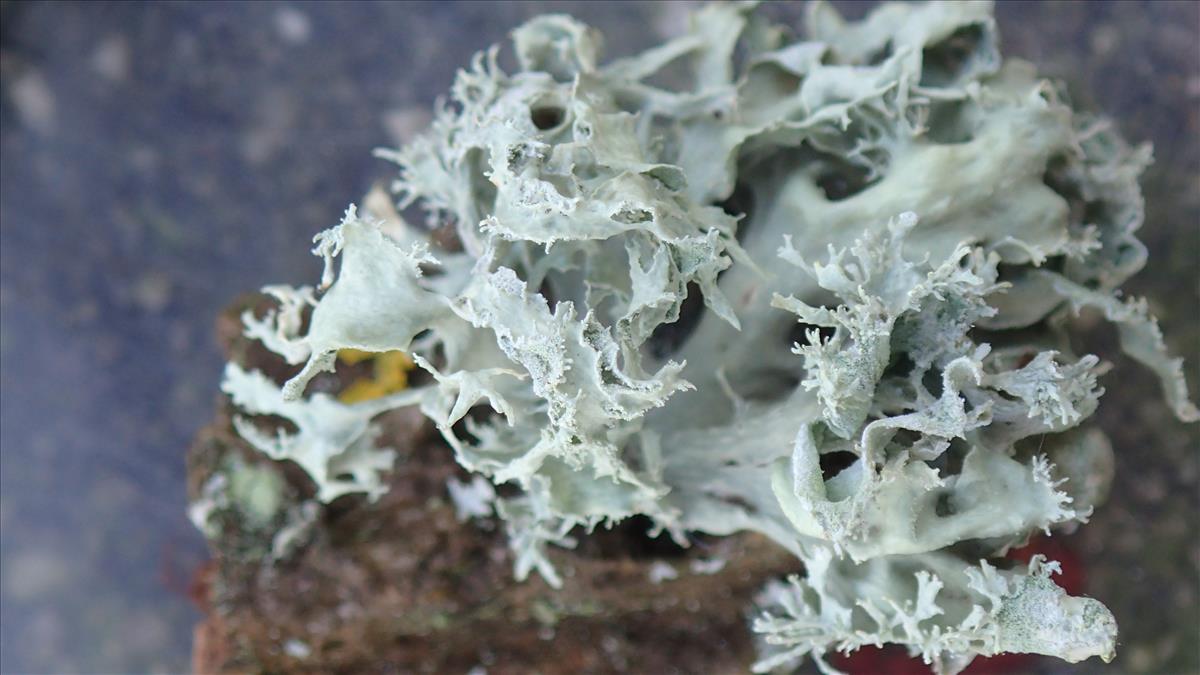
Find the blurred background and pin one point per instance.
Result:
(159, 159)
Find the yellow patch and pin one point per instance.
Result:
(390, 374)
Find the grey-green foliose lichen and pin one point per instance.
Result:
(878, 377)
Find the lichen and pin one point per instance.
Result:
(821, 291)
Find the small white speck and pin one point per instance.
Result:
(34, 102)
(1193, 87)
(1104, 40)
(152, 292)
(297, 649)
(293, 25)
(661, 571)
(111, 58)
(711, 566)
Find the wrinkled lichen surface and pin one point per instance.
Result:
(822, 290)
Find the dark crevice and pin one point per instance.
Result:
(901, 365)
(880, 55)
(444, 235)
(950, 462)
(477, 414)
(629, 538)
(840, 179)
(943, 506)
(740, 204)
(668, 337)
(273, 424)
(737, 502)
(339, 512)
(978, 549)
(483, 191)
(546, 117)
(547, 291)
(904, 438)
(1058, 178)
(798, 333)
(949, 123)
(932, 381)
(507, 490)
(833, 463)
(768, 384)
(419, 377)
(943, 63)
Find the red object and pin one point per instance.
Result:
(894, 660)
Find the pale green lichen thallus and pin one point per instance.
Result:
(817, 291)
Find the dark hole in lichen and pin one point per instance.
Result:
(944, 62)
(950, 462)
(880, 55)
(932, 381)
(1005, 395)
(444, 235)
(841, 180)
(339, 516)
(737, 501)
(476, 415)
(1058, 178)
(547, 292)
(833, 463)
(901, 364)
(949, 123)
(943, 506)
(546, 117)
(503, 490)
(1097, 212)
(274, 424)
(740, 204)
(977, 549)
(483, 191)
(767, 384)
(628, 539)
(668, 337)
(1002, 563)
(798, 334)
